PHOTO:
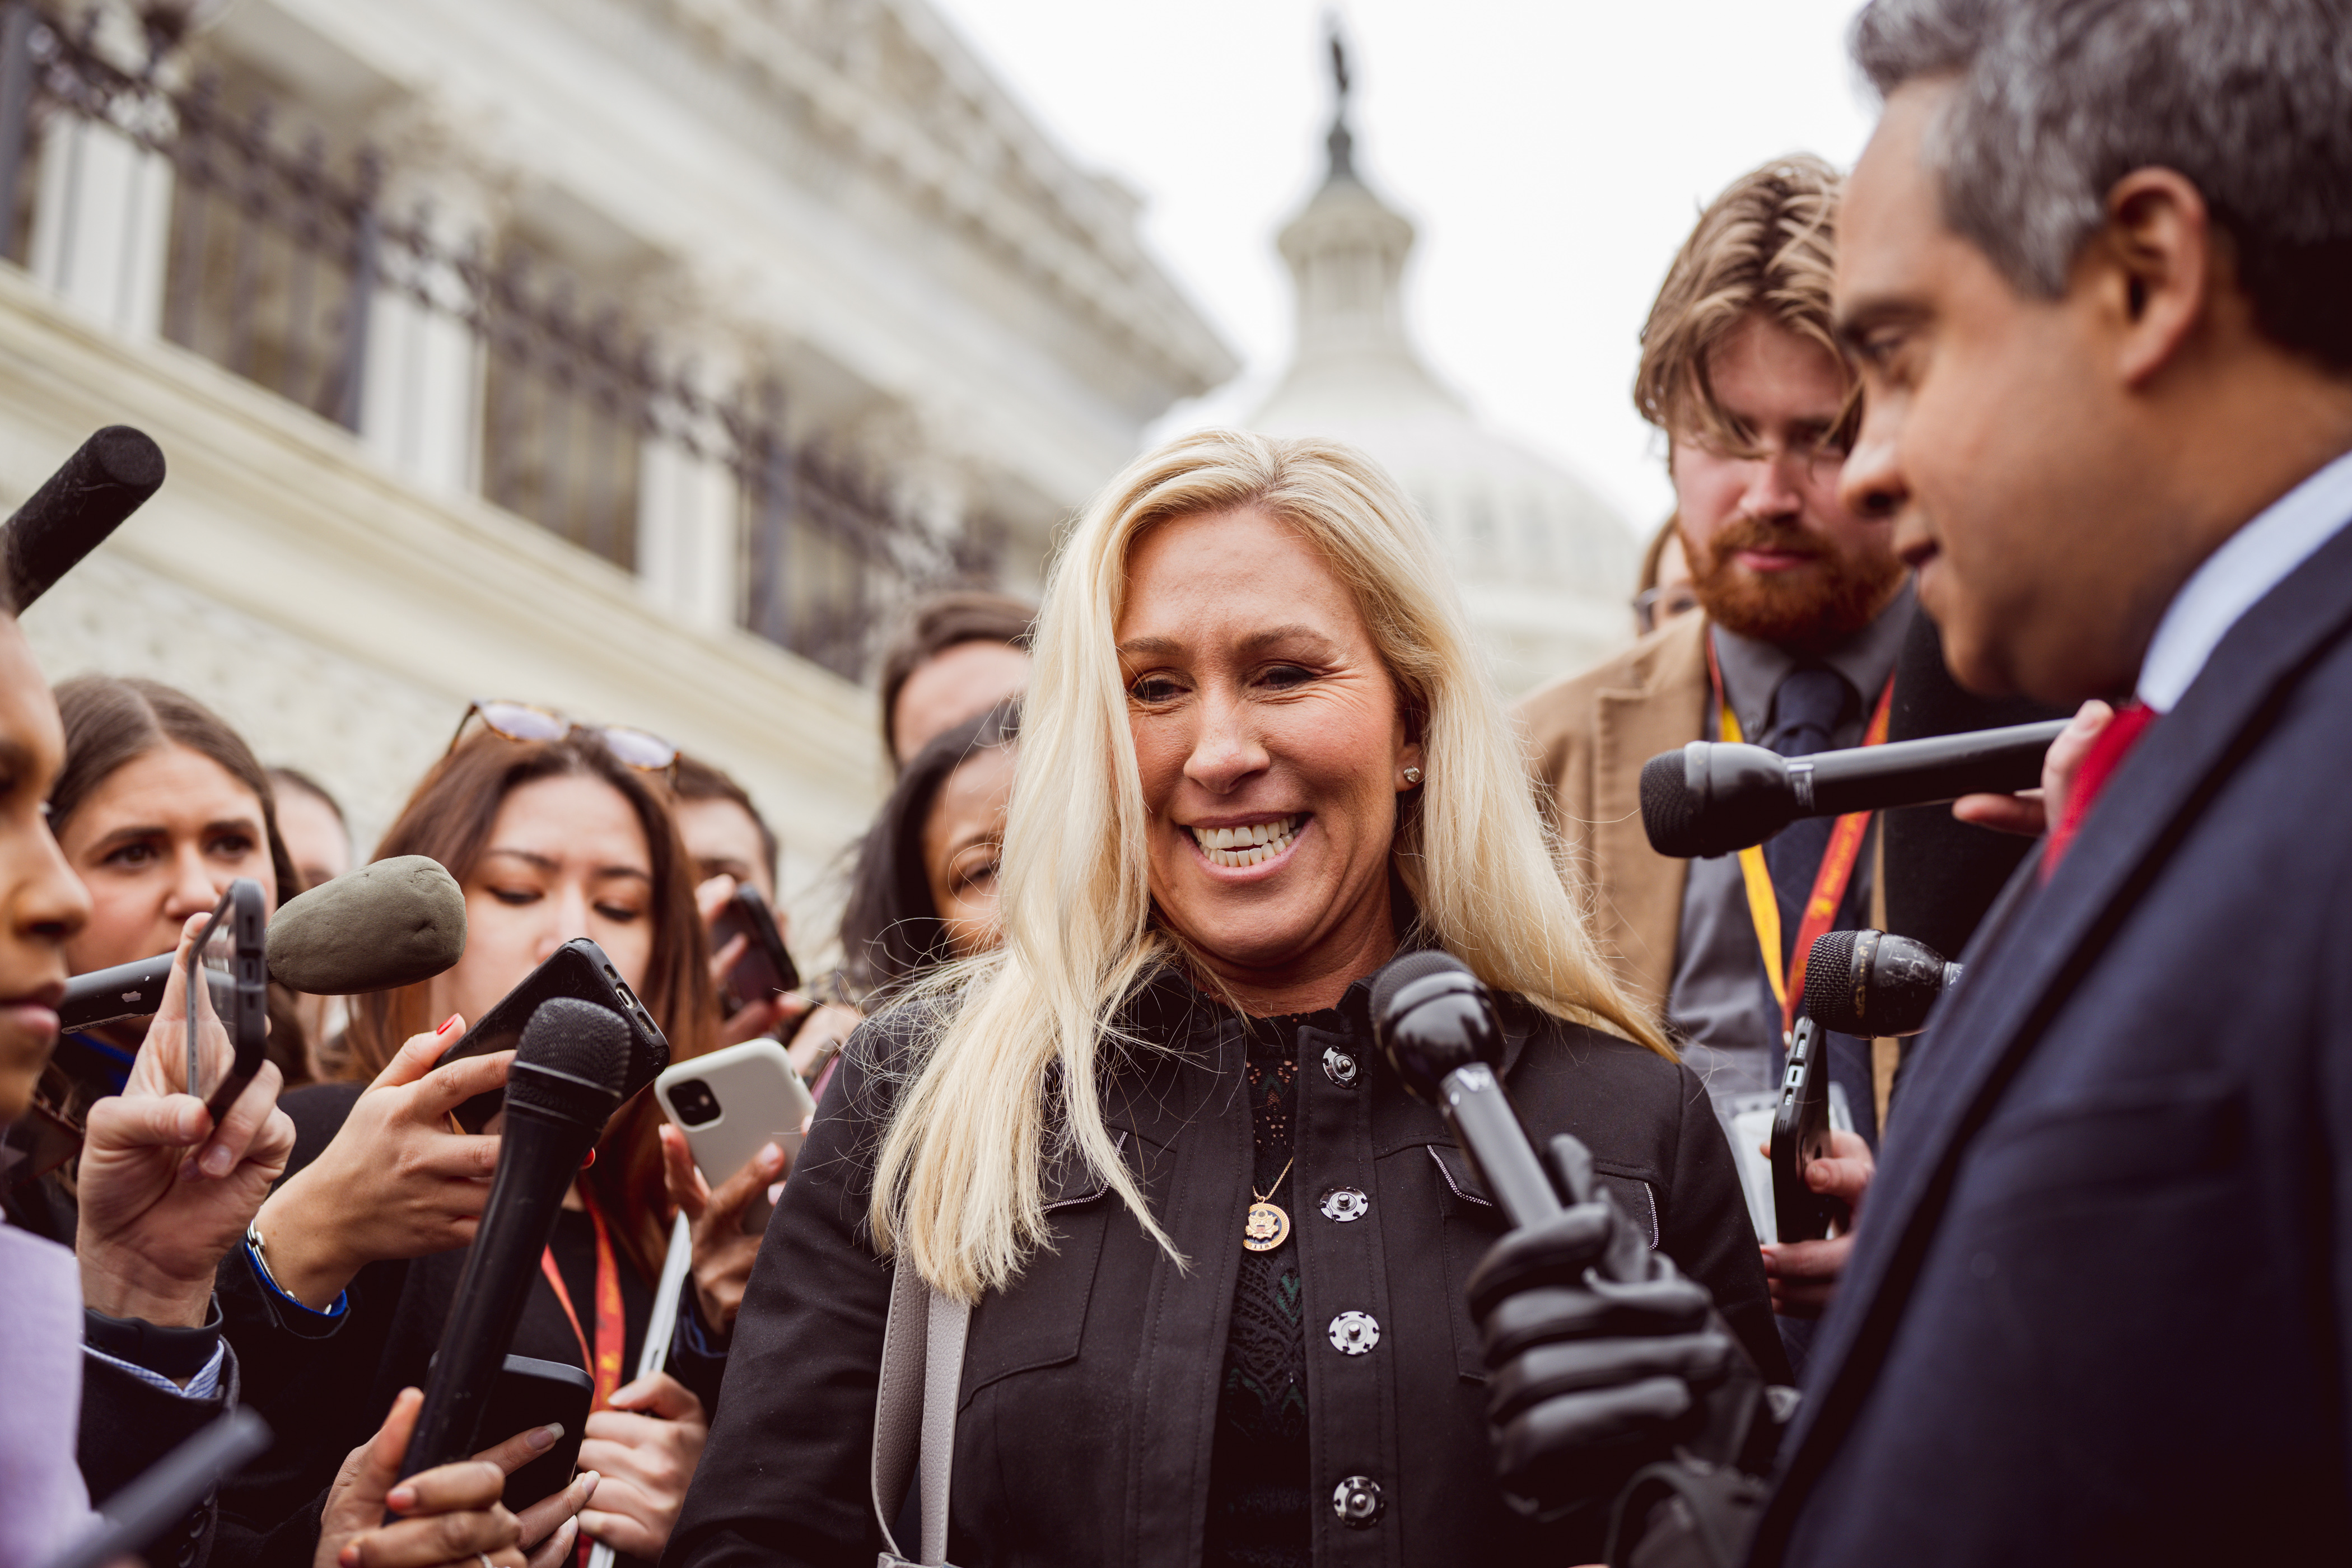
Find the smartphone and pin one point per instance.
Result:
(765, 969)
(578, 968)
(1801, 1135)
(532, 1393)
(730, 1101)
(230, 956)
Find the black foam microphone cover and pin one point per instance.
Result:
(1743, 798)
(1435, 1023)
(568, 1069)
(1872, 983)
(110, 476)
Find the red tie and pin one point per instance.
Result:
(2108, 749)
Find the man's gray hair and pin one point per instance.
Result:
(2251, 101)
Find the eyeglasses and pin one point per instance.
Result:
(521, 721)
(1653, 608)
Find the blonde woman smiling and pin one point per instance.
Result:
(1258, 756)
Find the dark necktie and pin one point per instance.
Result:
(1812, 701)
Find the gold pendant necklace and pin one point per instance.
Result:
(1267, 1227)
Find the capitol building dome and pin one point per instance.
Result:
(1546, 567)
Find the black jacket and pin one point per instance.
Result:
(2097, 1308)
(1090, 1389)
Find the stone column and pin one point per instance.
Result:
(421, 392)
(689, 502)
(102, 219)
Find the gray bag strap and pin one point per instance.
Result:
(915, 1411)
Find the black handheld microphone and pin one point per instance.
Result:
(1436, 1023)
(110, 476)
(565, 1084)
(1713, 797)
(390, 923)
(1869, 983)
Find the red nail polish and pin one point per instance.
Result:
(590, 1163)
(446, 1025)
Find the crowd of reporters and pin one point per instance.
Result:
(1104, 1079)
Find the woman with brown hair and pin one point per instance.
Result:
(159, 807)
(357, 1256)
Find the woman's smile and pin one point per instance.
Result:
(1250, 845)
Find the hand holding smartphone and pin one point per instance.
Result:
(729, 1103)
(765, 969)
(229, 957)
(1801, 1135)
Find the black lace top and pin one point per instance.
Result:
(1258, 1501)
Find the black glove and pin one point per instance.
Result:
(1600, 1355)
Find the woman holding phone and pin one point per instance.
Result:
(160, 806)
(553, 832)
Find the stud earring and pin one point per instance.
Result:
(1412, 777)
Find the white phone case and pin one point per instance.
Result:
(757, 1097)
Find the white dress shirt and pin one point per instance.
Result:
(2253, 560)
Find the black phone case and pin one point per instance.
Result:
(580, 969)
(241, 997)
(1801, 1135)
(765, 968)
(532, 1393)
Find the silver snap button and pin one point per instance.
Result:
(1340, 1068)
(1344, 1204)
(1354, 1334)
(1357, 1500)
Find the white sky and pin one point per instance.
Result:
(1553, 154)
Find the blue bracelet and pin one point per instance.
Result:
(335, 1309)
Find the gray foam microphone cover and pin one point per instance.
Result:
(394, 922)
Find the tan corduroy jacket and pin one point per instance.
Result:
(1590, 733)
(1589, 736)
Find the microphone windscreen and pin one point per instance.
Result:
(1828, 983)
(1669, 811)
(1399, 973)
(572, 1062)
(107, 480)
(394, 922)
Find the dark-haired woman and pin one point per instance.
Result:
(551, 839)
(160, 806)
(924, 891)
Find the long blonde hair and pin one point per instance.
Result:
(957, 1185)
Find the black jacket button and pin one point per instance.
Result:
(1340, 1068)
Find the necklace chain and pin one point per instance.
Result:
(1276, 1185)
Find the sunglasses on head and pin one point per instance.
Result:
(522, 721)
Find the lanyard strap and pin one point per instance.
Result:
(612, 1321)
(1829, 884)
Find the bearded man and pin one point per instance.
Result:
(1806, 608)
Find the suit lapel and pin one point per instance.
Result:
(2028, 972)
(1641, 919)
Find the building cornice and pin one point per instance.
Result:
(888, 84)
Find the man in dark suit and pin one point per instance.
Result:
(2093, 267)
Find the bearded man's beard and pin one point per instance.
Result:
(1809, 608)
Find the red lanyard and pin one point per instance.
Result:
(1829, 885)
(612, 1319)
